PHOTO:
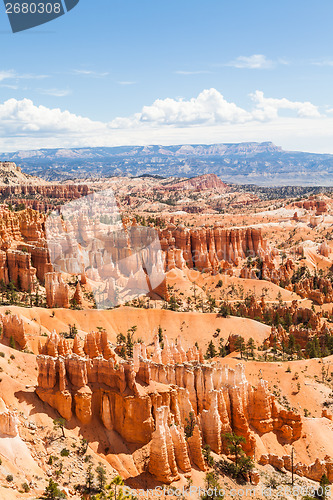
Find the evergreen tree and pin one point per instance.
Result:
(101, 477)
(129, 341)
(59, 423)
(160, 334)
(89, 478)
(240, 345)
(291, 344)
(12, 342)
(211, 350)
(190, 424)
(251, 346)
(288, 321)
(222, 349)
(234, 445)
(324, 482)
(52, 492)
(313, 348)
(213, 490)
(116, 481)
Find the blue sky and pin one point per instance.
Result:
(134, 72)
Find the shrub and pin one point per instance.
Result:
(207, 456)
(25, 487)
(64, 452)
(272, 483)
(2, 354)
(214, 491)
(12, 356)
(9, 478)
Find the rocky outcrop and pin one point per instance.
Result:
(23, 255)
(195, 446)
(23, 226)
(314, 471)
(202, 182)
(319, 206)
(20, 270)
(78, 297)
(324, 249)
(57, 291)
(8, 421)
(162, 461)
(13, 327)
(316, 288)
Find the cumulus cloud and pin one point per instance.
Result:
(208, 117)
(209, 108)
(256, 61)
(24, 117)
(268, 108)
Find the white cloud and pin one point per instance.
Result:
(56, 92)
(189, 73)
(6, 75)
(256, 61)
(9, 86)
(207, 118)
(326, 62)
(88, 72)
(22, 117)
(210, 107)
(268, 108)
(13, 75)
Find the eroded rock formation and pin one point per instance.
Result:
(57, 291)
(8, 421)
(314, 471)
(13, 327)
(149, 401)
(210, 248)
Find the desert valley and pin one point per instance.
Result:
(181, 338)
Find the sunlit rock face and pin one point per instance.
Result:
(150, 400)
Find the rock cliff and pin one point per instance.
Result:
(149, 401)
(210, 248)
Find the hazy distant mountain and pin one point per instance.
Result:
(244, 163)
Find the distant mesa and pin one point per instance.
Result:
(260, 163)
